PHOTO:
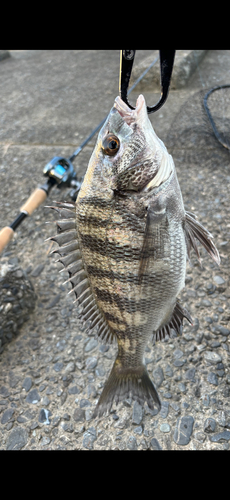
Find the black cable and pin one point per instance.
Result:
(217, 135)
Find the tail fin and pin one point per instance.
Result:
(126, 382)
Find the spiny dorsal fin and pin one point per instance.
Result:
(71, 258)
(175, 324)
(194, 230)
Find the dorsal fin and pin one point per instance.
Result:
(71, 258)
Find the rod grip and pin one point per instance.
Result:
(34, 201)
(6, 234)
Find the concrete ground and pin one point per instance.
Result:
(51, 373)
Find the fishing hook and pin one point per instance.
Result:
(166, 66)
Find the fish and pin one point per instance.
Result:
(125, 243)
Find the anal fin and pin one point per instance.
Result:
(175, 323)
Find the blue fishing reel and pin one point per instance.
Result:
(61, 171)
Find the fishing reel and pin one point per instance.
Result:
(61, 171)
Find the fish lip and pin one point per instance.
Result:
(129, 115)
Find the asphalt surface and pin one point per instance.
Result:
(51, 372)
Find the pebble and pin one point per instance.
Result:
(179, 362)
(222, 418)
(91, 363)
(174, 406)
(89, 437)
(56, 421)
(79, 415)
(58, 366)
(91, 390)
(67, 427)
(221, 329)
(158, 376)
(165, 428)
(4, 391)
(45, 440)
(183, 430)
(137, 413)
(178, 353)
(182, 387)
(168, 371)
(7, 415)
(185, 405)
(219, 280)
(73, 390)
(100, 372)
(155, 444)
(45, 401)
(167, 395)
(54, 301)
(215, 344)
(27, 383)
(70, 367)
(85, 402)
(190, 374)
(17, 439)
(205, 399)
(132, 443)
(164, 409)
(37, 271)
(91, 345)
(33, 397)
(212, 357)
(206, 303)
(225, 435)
(188, 337)
(200, 436)
(209, 425)
(212, 378)
(138, 430)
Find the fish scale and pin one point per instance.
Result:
(124, 244)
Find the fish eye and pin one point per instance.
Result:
(110, 145)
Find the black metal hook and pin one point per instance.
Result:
(166, 65)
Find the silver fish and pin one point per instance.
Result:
(124, 243)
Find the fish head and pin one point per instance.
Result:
(128, 155)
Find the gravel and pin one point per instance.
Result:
(52, 373)
(183, 430)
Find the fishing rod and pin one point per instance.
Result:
(59, 170)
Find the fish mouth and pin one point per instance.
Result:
(129, 115)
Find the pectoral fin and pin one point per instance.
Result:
(195, 231)
(152, 242)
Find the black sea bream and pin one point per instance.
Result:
(124, 243)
